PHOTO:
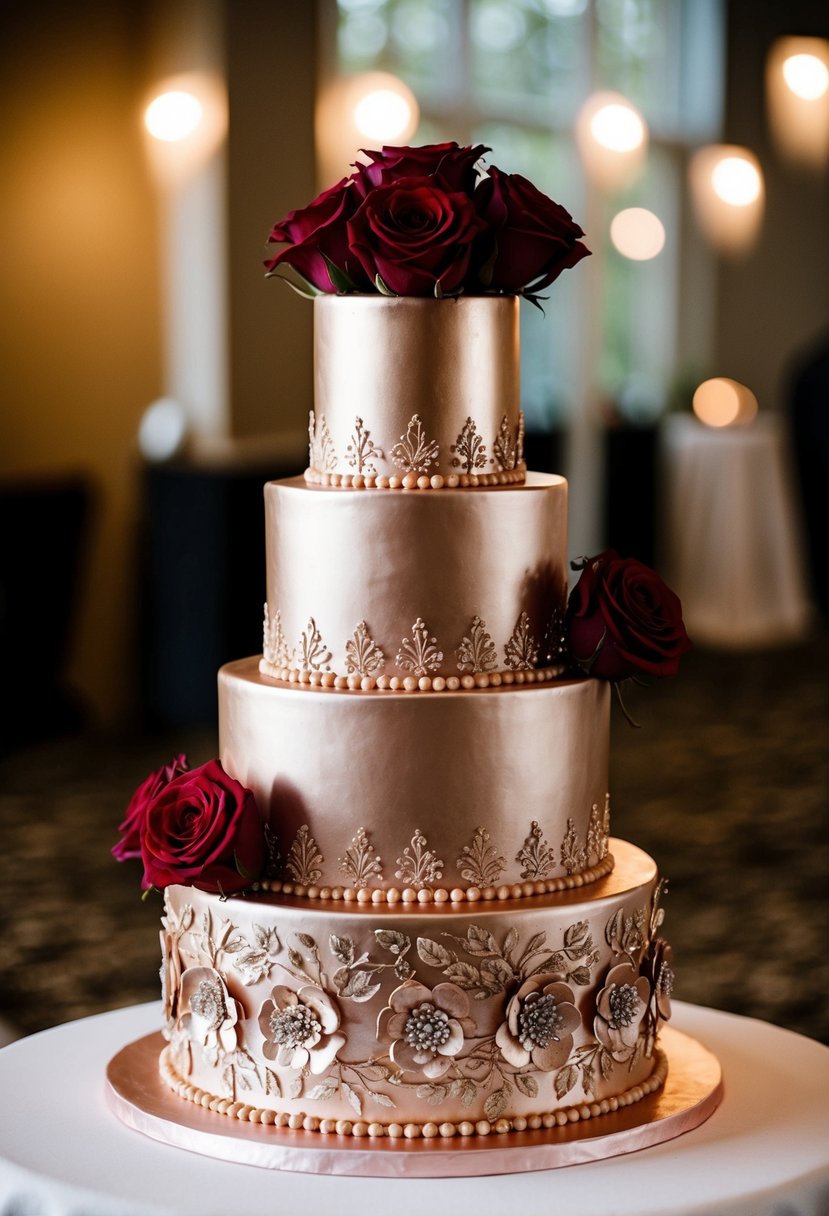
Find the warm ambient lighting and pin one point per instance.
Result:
(806, 75)
(173, 116)
(797, 94)
(185, 121)
(612, 138)
(736, 181)
(617, 127)
(728, 195)
(637, 233)
(368, 110)
(722, 402)
(383, 116)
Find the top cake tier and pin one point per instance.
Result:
(416, 393)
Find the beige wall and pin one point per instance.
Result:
(79, 344)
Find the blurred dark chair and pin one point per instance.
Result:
(44, 526)
(809, 423)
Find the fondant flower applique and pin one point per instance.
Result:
(541, 1018)
(300, 1028)
(425, 1027)
(208, 1015)
(620, 1009)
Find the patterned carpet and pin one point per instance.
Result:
(726, 783)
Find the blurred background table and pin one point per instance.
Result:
(764, 1150)
(732, 541)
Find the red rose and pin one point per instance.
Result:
(203, 829)
(415, 236)
(450, 166)
(133, 826)
(622, 620)
(535, 238)
(316, 233)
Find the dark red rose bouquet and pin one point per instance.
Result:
(197, 827)
(623, 621)
(420, 222)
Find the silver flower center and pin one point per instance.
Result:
(208, 1003)
(539, 1022)
(427, 1028)
(294, 1027)
(665, 982)
(624, 1006)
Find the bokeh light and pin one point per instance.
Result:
(173, 115)
(722, 402)
(383, 115)
(736, 181)
(618, 127)
(637, 233)
(806, 75)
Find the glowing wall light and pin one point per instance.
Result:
(722, 402)
(729, 195)
(371, 109)
(185, 119)
(612, 138)
(637, 233)
(797, 95)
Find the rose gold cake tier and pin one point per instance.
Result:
(424, 794)
(414, 585)
(424, 390)
(373, 1021)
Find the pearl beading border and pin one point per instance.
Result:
(411, 1131)
(329, 680)
(457, 895)
(416, 481)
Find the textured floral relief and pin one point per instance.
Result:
(173, 929)
(321, 454)
(627, 934)
(424, 1028)
(314, 655)
(598, 832)
(419, 866)
(573, 853)
(415, 452)
(480, 863)
(360, 863)
(362, 451)
(620, 1009)
(363, 657)
(300, 1028)
(208, 1015)
(522, 649)
(657, 967)
(419, 653)
(477, 651)
(469, 449)
(519, 438)
(536, 856)
(255, 960)
(503, 449)
(274, 646)
(540, 1021)
(304, 860)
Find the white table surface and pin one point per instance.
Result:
(764, 1152)
(732, 542)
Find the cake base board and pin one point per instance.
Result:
(141, 1100)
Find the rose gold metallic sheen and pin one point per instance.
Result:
(383, 361)
(691, 1094)
(342, 557)
(315, 931)
(499, 759)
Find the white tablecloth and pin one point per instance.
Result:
(764, 1152)
(732, 544)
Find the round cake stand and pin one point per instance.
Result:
(141, 1100)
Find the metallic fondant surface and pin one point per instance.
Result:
(381, 363)
(350, 574)
(498, 786)
(320, 1012)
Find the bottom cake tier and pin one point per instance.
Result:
(423, 1021)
